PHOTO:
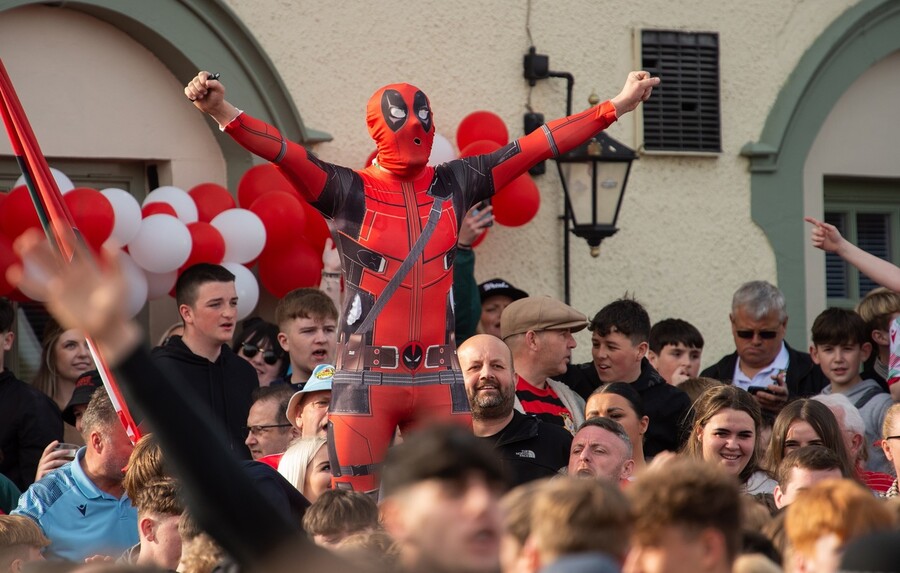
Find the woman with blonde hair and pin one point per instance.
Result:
(64, 358)
(305, 464)
(890, 443)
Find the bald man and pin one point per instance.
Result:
(529, 448)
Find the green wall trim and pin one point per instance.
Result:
(191, 35)
(856, 40)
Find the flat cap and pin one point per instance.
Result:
(539, 313)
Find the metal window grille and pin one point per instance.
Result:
(684, 113)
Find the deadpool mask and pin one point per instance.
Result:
(400, 122)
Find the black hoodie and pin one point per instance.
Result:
(29, 420)
(225, 386)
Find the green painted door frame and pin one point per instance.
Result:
(190, 35)
(858, 39)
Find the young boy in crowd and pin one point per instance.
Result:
(878, 309)
(339, 513)
(840, 345)
(675, 349)
(159, 511)
(21, 542)
(307, 321)
(687, 517)
(619, 335)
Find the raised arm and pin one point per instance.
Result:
(562, 135)
(306, 173)
(826, 237)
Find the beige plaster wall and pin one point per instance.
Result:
(686, 240)
(90, 91)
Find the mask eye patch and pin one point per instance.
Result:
(422, 111)
(394, 109)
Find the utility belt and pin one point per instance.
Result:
(370, 378)
(354, 355)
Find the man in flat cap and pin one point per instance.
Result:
(538, 331)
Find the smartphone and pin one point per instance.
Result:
(480, 207)
(754, 389)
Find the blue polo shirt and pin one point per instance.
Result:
(79, 519)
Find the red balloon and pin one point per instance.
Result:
(18, 213)
(287, 269)
(259, 180)
(517, 203)
(371, 158)
(207, 245)
(479, 148)
(316, 230)
(7, 259)
(211, 199)
(92, 213)
(158, 208)
(283, 216)
(481, 125)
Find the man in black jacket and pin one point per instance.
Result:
(29, 420)
(763, 363)
(529, 449)
(620, 332)
(201, 359)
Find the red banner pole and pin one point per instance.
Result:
(55, 218)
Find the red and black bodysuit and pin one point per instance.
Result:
(402, 370)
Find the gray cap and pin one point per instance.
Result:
(539, 313)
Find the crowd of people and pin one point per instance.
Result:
(635, 460)
(475, 446)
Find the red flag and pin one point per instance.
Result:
(55, 218)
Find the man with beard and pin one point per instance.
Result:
(529, 448)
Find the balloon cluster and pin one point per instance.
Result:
(479, 133)
(173, 229)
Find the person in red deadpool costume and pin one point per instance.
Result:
(396, 225)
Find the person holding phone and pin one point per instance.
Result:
(763, 363)
(466, 296)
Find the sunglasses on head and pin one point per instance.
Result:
(269, 356)
(764, 334)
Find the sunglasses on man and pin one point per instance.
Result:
(269, 356)
(749, 334)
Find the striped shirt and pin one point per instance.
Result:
(544, 404)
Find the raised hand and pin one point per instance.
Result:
(208, 96)
(825, 236)
(638, 87)
(474, 224)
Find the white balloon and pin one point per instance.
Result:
(244, 234)
(159, 284)
(136, 283)
(179, 199)
(162, 244)
(247, 289)
(441, 150)
(62, 181)
(127, 212)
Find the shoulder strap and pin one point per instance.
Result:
(868, 395)
(405, 267)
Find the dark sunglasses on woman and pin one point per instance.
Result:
(250, 350)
